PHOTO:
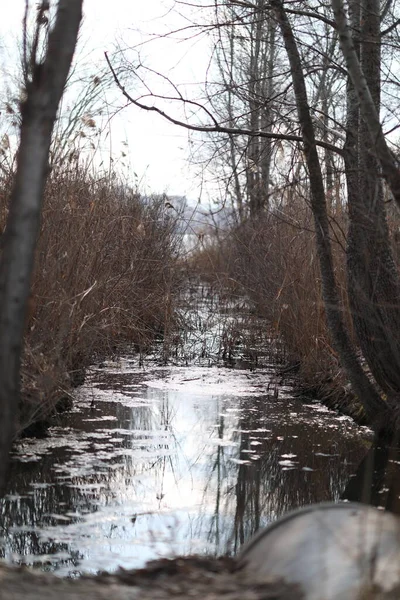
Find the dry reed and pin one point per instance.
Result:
(273, 261)
(104, 275)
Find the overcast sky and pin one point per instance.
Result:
(158, 151)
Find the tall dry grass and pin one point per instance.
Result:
(105, 274)
(273, 261)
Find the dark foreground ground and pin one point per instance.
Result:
(191, 578)
(183, 578)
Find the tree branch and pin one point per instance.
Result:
(369, 112)
(390, 28)
(216, 128)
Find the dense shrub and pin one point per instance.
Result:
(272, 260)
(104, 275)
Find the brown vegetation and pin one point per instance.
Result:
(272, 260)
(104, 275)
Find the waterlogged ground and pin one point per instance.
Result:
(166, 460)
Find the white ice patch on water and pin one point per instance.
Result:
(286, 463)
(102, 418)
(212, 382)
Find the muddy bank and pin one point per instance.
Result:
(194, 578)
(335, 397)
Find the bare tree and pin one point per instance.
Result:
(351, 138)
(243, 95)
(46, 62)
(372, 402)
(373, 282)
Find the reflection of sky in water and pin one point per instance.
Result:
(170, 461)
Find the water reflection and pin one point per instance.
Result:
(377, 478)
(170, 461)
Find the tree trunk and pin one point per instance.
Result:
(44, 91)
(253, 173)
(374, 406)
(368, 108)
(267, 113)
(234, 161)
(373, 285)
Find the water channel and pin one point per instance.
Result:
(161, 460)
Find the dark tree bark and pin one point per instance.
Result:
(45, 85)
(376, 480)
(373, 283)
(267, 146)
(258, 87)
(365, 97)
(374, 406)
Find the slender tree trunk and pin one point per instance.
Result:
(267, 115)
(324, 96)
(368, 108)
(374, 406)
(254, 143)
(44, 91)
(232, 148)
(373, 284)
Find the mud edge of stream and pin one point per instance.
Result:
(197, 578)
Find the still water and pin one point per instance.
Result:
(160, 461)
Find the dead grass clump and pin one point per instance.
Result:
(105, 274)
(273, 260)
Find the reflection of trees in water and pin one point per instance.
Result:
(265, 490)
(248, 496)
(164, 422)
(29, 543)
(376, 480)
(19, 515)
(26, 509)
(238, 498)
(218, 470)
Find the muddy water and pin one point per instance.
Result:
(161, 461)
